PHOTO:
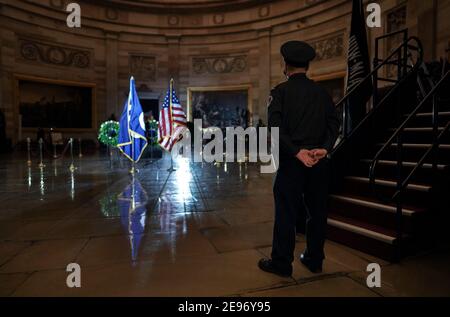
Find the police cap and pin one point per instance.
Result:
(297, 53)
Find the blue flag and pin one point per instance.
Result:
(132, 140)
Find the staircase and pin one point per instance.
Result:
(391, 172)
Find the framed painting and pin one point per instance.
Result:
(62, 105)
(221, 107)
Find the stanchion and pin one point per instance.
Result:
(72, 166)
(79, 148)
(41, 164)
(54, 151)
(29, 151)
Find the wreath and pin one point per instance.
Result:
(153, 132)
(109, 133)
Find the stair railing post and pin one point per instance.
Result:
(435, 124)
(344, 120)
(404, 56)
(399, 204)
(375, 76)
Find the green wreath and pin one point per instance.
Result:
(109, 133)
(153, 132)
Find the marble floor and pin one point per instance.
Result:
(197, 231)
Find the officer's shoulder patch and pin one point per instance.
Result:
(269, 101)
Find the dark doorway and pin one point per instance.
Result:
(150, 106)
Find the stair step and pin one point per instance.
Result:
(417, 146)
(405, 164)
(427, 129)
(430, 114)
(374, 205)
(357, 229)
(383, 182)
(412, 152)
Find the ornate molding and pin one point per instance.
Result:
(309, 3)
(173, 20)
(264, 11)
(54, 54)
(331, 47)
(111, 14)
(58, 4)
(219, 18)
(219, 64)
(143, 67)
(396, 19)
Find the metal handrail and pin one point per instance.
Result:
(392, 34)
(385, 62)
(341, 103)
(421, 162)
(400, 129)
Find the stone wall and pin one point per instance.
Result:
(230, 45)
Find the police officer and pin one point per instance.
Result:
(308, 128)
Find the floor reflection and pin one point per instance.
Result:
(198, 231)
(131, 205)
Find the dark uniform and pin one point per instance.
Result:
(307, 119)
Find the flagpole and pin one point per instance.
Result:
(133, 169)
(171, 169)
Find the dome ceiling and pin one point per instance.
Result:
(180, 6)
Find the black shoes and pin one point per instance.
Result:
(268, 266)
(313, 266)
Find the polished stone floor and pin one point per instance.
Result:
(197, 231)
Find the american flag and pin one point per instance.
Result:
(172, 121)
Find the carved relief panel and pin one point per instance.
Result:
(219, 64)
(330, 47)
(143, 67)
(53, 54)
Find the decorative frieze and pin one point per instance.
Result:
(53, 54)
(309, 3)
(59, 4)
(219, 18)
(111, 14)
(143, 67)
(219, 64)
(327, 48)
(264, 11)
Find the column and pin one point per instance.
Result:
(111, 56)
(264, 75)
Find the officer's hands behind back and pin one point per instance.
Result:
(311, 157)
(307, 157)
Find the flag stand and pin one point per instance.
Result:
(171, 168)
(133, 164)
